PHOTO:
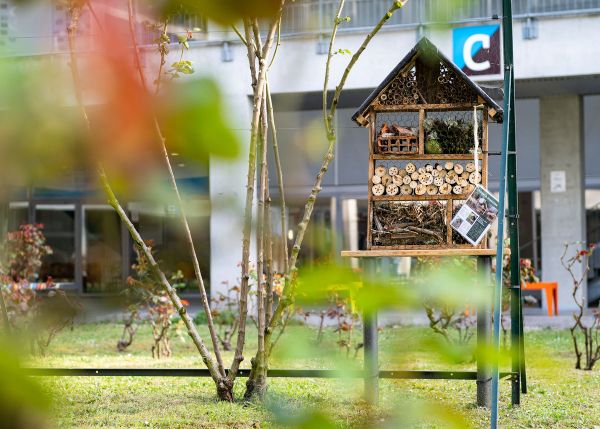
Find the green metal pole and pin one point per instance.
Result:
(517, 343)
(507, 168)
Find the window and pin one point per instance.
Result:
(18, 214)
(101, 250)
(59, 229)
(163, 227)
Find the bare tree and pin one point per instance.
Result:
(578, 267)
(257, 383)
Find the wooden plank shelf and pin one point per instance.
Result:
(419, 197)
(396, 253)
(417, 107)
(416, 156)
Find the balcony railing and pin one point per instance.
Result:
(315, 16)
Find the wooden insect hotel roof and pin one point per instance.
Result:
(425, 78)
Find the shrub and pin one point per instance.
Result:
(145, 293)
(40, 318)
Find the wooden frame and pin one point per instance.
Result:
(449, 199)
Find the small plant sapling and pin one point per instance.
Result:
(585, 329)
(341, 311)
(456, 326)
(130, 327)
(224, 311)
(154, 300)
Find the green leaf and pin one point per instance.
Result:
(181, 38)
(224, 12)
(195, 123)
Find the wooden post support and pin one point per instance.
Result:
(484, 331)
(370, 340)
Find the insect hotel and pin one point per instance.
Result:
(428, 149)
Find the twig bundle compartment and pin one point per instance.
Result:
(399, 223)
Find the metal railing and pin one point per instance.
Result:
(315, 16)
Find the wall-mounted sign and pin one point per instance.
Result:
(476, 50)
(558, 181)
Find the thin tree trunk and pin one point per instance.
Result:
(258, 84)
(279, 171)
(182, 214)
(257, 382)
(224, 389)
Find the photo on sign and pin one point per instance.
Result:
(476, 216)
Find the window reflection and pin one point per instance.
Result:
(101, 249)
(59, 228)
(18, 214)
(164, 229)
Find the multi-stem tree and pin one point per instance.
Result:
(270, 315)
(274, 317)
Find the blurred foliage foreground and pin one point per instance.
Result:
(559, 396)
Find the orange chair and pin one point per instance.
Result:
(551, 289)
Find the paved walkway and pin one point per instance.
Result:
(101, 313)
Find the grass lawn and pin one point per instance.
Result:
(559, 396)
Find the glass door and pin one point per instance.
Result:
(101, 250)
(58, 222)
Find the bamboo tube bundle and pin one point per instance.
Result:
(409, 223)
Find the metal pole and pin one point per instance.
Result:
(508, 106)
(517, 343)
(484, 325)
(370, 340)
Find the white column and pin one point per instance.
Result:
(562, 187)
(227, 198)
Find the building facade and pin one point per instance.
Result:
(558, 135)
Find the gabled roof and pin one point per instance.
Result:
(428, 51)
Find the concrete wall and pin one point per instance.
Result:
(565, 48)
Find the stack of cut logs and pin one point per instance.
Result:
(430, 179)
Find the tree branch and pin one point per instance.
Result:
(290, 280)
(279, 172)
(308, 208)
(182, 214)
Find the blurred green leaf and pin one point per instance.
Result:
(224, 12)
(300, 419)
(40, 135)
(23, 403)
(194, 122)
(316, 283)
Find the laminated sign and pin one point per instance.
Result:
(476, 216)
